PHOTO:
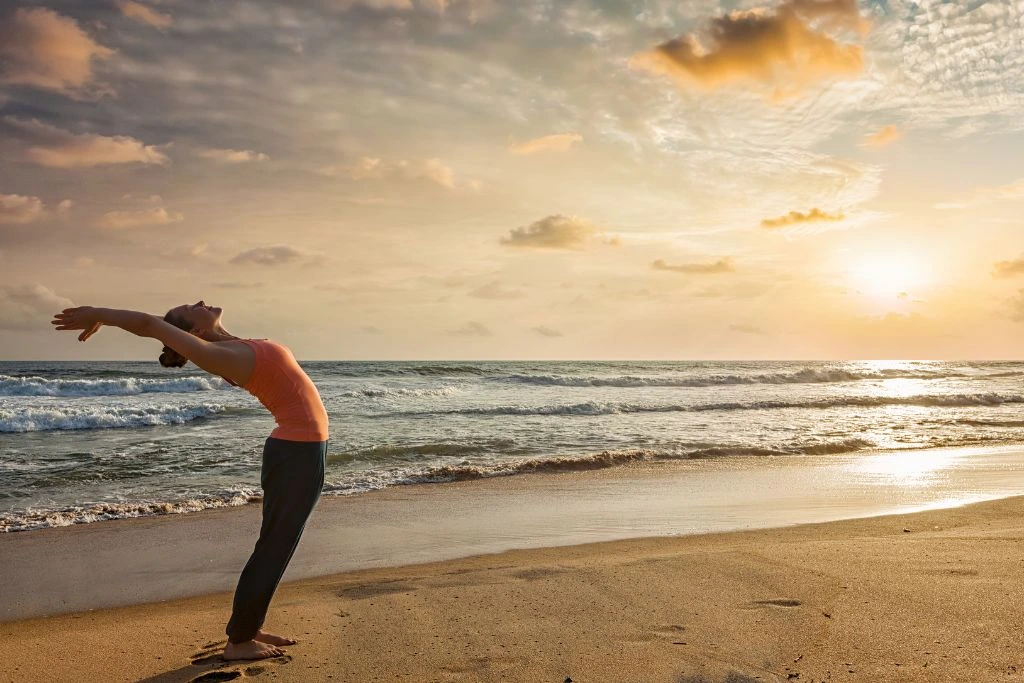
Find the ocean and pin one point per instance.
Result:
(83, 442)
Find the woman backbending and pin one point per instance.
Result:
(292, 471)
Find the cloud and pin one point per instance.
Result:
(146, 15)
(786, 48)
(795, 217)
(471, 329)
(495, 290)
(42, 49)
(28, 307)
(882, 137)
(552, 232)
(58, 148)
(722, 265)
(986, 195)
(268, 256)
(1003, 269)
(370, 329)
(232, 156)
(123, 220)
(559, 142)
(745, 329)
(546, 331)
(18, 209)
(373, 168)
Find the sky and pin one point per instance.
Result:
(488, 179)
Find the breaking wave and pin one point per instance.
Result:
(123, 386)
(36, 419)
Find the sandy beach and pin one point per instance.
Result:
(928, 596)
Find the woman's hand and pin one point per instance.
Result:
(81, 318)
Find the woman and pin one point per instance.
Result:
(292, 472)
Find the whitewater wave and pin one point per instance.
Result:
(36, 418)
(393, 392)
(440, 370)
(123, 386)
(611, 407)
(573, 463)
(34, 518)
(441, 449)
(804, 376)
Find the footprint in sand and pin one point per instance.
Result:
(778, 602)
(217, 676)
(222, 672)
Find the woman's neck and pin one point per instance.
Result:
(219, 335)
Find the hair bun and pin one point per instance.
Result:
(170, 358)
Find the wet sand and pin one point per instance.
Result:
(929, 596)
(127, 562)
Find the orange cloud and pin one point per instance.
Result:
(723, 265)
(794, 217)
(18, 209)
(59, 148)
(786, 48)
(123, 220)
(42, 49)
(232, 156)
(373, 168)
(27, 307)
(145, 15)
(552, 232)
(1008, 268)
(559, 142)
(882, 137)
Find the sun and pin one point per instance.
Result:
(888, 276)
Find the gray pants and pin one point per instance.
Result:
(292, 476)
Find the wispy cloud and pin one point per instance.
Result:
(374, 168)
(545, 331)
(744, 328)
(231, 156)
(559, 142)
(1005, 269)
(883, 136)
(495, 290)
(985, 195)
(786, 48)
(58, 148)
(26, 307)
(472, 329)
(143, 14)
(795, 217)
(722, 265)
(42, 49)
(268, 256)
(124, 220)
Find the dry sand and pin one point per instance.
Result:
(930, 596)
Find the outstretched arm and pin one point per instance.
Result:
(90, 319)
(213, 358)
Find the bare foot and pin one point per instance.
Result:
(250, 649)
(271, 639)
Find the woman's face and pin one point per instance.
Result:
(199, 314)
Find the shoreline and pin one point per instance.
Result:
(52, 571)
(810, 602)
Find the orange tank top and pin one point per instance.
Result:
(287, 392)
